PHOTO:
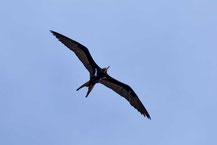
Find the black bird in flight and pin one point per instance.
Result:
(99, 75)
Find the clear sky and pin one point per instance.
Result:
(165, 50)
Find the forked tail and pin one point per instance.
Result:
(87, 84)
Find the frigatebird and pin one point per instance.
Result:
(99, 75)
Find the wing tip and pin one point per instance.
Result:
(60, 37)
(145, 114)
(53, 32)
(148, 116)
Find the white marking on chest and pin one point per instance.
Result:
(95, 72)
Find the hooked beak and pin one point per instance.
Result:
(106, 69)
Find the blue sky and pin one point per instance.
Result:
(165, 50)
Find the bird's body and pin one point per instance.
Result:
(99, 75)
(96, 78)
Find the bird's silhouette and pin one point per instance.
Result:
(99, 75)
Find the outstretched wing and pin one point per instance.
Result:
(81, 51)
(127, 92)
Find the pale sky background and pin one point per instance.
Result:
(165, 50)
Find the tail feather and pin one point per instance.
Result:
(87, 84)
(84, 85)
(89, 90)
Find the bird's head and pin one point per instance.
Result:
(105, 69)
